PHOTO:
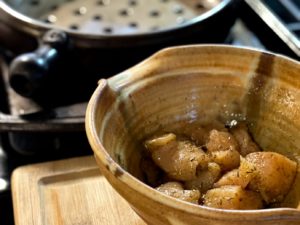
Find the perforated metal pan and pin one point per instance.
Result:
(108, 20)
(138, 27)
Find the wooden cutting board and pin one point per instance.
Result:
(67, 192)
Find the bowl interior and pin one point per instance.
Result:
(200, 86)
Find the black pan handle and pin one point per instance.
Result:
(29, 71)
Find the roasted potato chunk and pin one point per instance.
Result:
(223, 150)
(179, 159)
(241, 176)
(228, 160)
(175, 189)
(274, 175)
(232, 197)
(199, 133)
(205, 178)
(160, 142)
(221, 141)
(195, 132)
(231, 178)
(228, 169)
(247, 171)
(241, 135)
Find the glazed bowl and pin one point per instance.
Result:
(195, 85)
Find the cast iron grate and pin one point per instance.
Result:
(288, 11)
(276, 23)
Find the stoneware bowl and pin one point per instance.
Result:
(193, 85)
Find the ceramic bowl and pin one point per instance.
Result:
(195, 85)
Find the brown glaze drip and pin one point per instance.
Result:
(258, 83)
(127, 111)
(262, 72)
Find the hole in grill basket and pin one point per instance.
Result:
(34, 2)
(200, 6)
(133, 24)
(54, 7)
(76, 12)
(74, 27)
(154, 13)
(97, 17)
(124, 12)
(80, 11)
(132, 2)
(108, 30)
(103, 2)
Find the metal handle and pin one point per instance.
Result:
(28, 72)
(66, 118)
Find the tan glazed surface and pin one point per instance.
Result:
(193, 85)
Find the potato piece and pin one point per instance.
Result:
(274, 177)
(221, 141)
(227, 160)
(205, 179)
(195, 132)
(199, 133)
(232, 197)
(241, 135)
(223, 149)
(179, 159)
(161, 141)
(247, 171)
(230, 178)
(241, 176)
(175, 189)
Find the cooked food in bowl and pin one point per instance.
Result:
(201, 88)
(227, 171)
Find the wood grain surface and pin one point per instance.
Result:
(67, 192)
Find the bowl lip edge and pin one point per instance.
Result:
(224, 46)
(168, 51)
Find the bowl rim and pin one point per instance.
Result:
(142, 188)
